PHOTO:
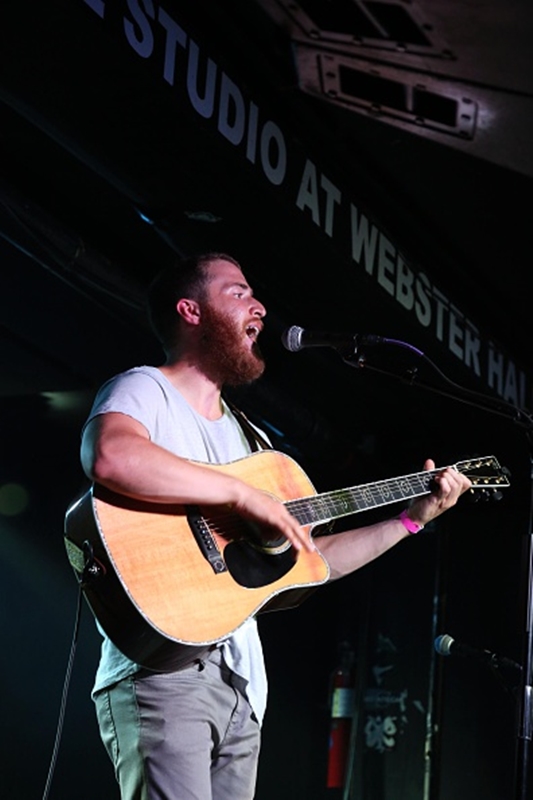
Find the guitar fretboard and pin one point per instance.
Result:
(341, 502)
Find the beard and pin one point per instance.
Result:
(226, 357)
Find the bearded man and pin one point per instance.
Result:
(194, 733)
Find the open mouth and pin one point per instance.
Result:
(253, 331)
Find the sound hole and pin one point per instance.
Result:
(252, 558)
(252, 567)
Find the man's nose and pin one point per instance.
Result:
(257, 308)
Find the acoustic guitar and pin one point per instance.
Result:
(166, 582)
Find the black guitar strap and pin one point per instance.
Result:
(253, 437)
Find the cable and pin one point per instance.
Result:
(64, 696)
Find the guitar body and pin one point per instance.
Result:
(149, 575)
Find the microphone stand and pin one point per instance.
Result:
(523, 768)
(356, 357)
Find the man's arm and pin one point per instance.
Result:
(117, 452)
(348, 551)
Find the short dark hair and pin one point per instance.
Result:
(184, 277)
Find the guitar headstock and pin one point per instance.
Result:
(486, 474)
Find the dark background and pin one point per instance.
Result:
(107, 171)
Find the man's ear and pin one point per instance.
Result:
(189, 310)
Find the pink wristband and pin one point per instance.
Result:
(408, 523)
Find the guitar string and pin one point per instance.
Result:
(226, 522)
(389, 490)
(395, 488)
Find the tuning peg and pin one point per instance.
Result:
(473, 496)
(485, 495)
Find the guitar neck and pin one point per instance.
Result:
(342, 502)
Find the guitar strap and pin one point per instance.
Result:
(253, 437)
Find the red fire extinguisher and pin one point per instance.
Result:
(342, 702)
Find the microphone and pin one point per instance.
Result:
(446, 645)
(296, 338)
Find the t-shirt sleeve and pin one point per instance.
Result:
(133, 393)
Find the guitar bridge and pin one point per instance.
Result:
(205, 540)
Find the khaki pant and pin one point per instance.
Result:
(187, 735)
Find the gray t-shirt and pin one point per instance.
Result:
(147, 396)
